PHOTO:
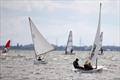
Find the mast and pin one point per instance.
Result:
(56, 42)
(99, 21)
(80, 42)
(99, 25)
(32, 38)
(96, 62)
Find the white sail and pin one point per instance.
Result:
(41, 45)
(96, 46)
(69, 46)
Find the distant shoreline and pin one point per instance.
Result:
(62, 48)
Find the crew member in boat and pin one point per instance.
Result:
(4, 50)
(101, 50)
(39, 58)
(88, 66)
(71, 51)
(76, 65)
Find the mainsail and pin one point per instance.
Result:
(41, 45)
(96, 46)
(69, 47)
(7, 46)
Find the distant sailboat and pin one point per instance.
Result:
(101, 40)
(41, 46)
(7, 47)
(69, 47)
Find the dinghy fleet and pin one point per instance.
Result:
(42, 46)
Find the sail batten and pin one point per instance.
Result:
(41, 46)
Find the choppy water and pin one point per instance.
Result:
(18, 65)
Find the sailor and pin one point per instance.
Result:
(4, 50)
(101, 50)
(71, 51)
(87, 65)
(76, 65)
(39, 59)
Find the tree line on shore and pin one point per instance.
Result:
(62, 48)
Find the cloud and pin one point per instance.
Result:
(54, 19)
(76, 5)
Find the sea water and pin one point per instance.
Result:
(19, 65)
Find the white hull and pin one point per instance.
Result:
(88, 71)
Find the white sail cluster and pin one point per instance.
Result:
(41, 45)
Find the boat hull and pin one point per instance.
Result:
(88, 71)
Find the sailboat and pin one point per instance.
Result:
(96, 46)
(101, 48)
(69, 47)
(41, 45)
(6, 47)
(93, 57)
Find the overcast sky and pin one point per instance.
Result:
(55, 18)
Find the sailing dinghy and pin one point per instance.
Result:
(93, 57)
(101, 48)
(41, 46)
(6, 48)
(69, 47)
